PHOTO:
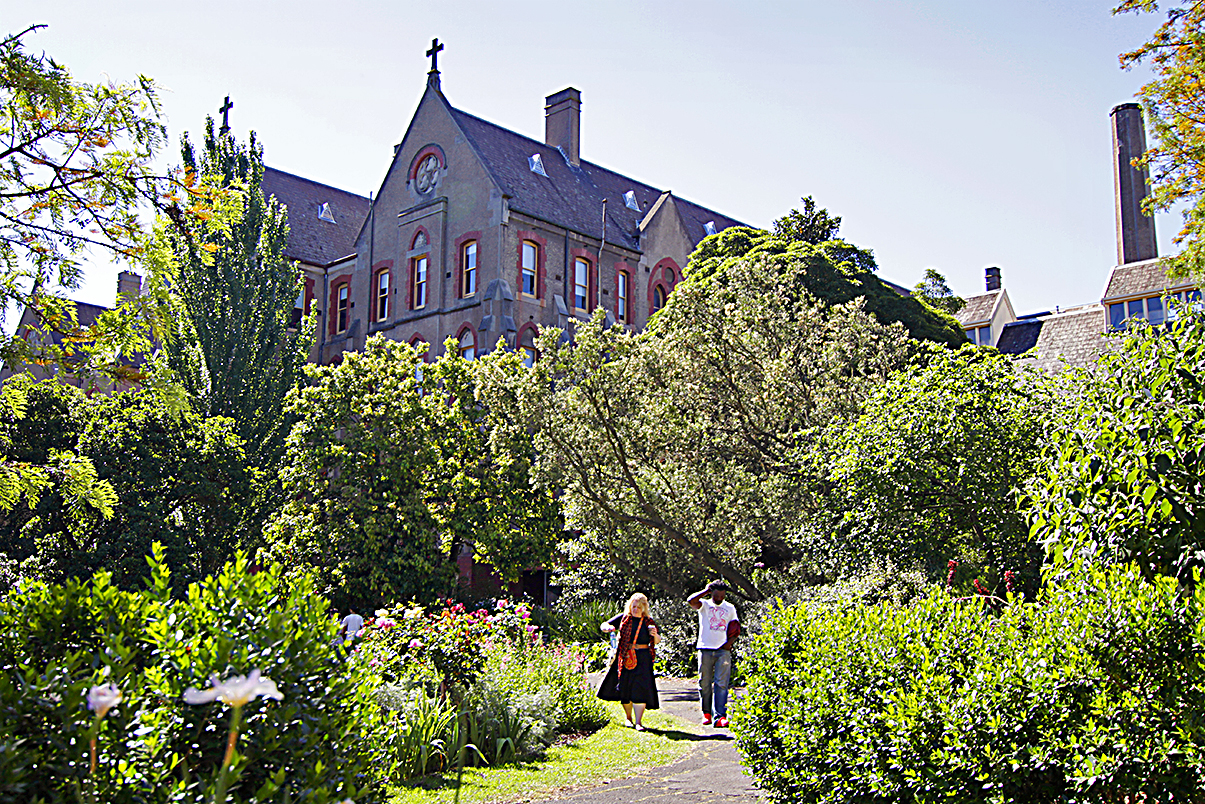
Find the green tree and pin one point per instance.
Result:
(686, 451)
(392, 464)
(934, 291)
(1123, 482)
(1172, 102)
(934, 469)
(230, 343)
(173, 478)
(809, 226)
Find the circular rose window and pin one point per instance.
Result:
(428, 170)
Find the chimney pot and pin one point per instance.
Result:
(563, 123)
(992, 277)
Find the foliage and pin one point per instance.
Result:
(231, 343)
(678, 625)
(1123, 468)
(59, 640)
(1172, 104)
(809, 226)
(174, 478)
(934, 291)
(392, 465)
(835, 272)
(685, 452)
(1094, 693)
(579, 622)
(933, 470)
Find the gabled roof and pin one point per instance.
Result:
(571, 196)
(1065, 339)
(1140, 279)
(311, 239)
(978, 308)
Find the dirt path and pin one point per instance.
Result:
(710, 773)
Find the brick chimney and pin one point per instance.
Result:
(563, 123)
(992, 276)
(1135, 231)
(129, 286)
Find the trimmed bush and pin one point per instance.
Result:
(1095, 692)
(59, 641)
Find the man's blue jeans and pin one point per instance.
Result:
(715, 668)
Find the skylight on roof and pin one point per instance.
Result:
(325, 214)
(629, 200)
(709, 227)
(536, 164)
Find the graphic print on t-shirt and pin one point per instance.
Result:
(718, 621)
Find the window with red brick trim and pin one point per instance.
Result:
(581, 283)
(466, 343)
(418, 282)
(659, 297)
(381, 289)
(468, 269)
(527, 344)
(342, 296)
(623, 294)
(530, 261)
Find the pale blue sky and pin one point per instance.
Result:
(948, 134)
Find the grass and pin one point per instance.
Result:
(612, 752)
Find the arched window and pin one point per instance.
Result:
(530, 260)
(581, 283)
(658, 298)
(342, 293)
(527, 347)
(467, 346)
(468, 268)
(381, 300)
(621, 297)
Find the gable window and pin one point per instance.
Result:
(658, 298)
(980, 336)
(468, 268)
(341, 300)
(467, 346)
(1151, 309)
(621, 297)
(418, 291)
(581, 283)
(381, 307)
(530, 260)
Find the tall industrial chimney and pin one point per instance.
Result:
(1135, 231)
(563, 123)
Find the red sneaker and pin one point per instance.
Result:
(706, 719)
(721, 722)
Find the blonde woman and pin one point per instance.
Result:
(630, 679)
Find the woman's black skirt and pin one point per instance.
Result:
(634, 686)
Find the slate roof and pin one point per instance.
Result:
(1140, 279)
(1066, 339)
(978, 308)
(311, 239)
(572, 196)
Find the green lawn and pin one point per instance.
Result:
(613, 752)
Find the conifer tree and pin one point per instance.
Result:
(231, 345)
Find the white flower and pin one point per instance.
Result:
(382, 612)
(102, 698)
(234, 691)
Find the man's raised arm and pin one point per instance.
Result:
(695, 601)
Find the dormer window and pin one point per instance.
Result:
(709, 227)
(536, 164)
(325, 214)
(629, 200)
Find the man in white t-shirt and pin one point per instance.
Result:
(718, 629)
(350, 626)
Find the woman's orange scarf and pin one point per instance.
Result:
(626, 655)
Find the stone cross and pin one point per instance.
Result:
(434, 54)
(225, 110)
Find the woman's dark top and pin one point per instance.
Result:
(642, 636)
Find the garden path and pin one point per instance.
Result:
(711, 773)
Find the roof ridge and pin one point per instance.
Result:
(315, 182)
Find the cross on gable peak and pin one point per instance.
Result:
(225, 110)
(436, 46)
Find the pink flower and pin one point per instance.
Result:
(415, 644)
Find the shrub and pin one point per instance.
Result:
(61, 640)
(1095, 692)
(678, 625)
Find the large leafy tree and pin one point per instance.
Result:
(393, 464)
(936, 293)
(230, 342)
(934, 469)
(1173, 105)
(1123, 482)
(809, 225)
(688, 451)
(171, 476)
